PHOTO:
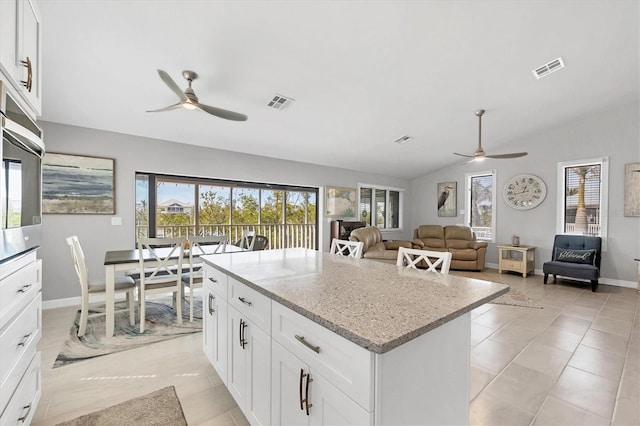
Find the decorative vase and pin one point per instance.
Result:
(515, 240)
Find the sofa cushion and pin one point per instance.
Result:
(382, 255)
(463, 254)
(431, 235)
(458, 237)
(586, 257)
(395, 245)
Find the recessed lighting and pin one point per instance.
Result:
(404, 139)
(280, 102)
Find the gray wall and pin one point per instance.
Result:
(132, 154)
(614, 134)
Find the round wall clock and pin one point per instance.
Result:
(524, 192)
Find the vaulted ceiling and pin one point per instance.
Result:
(362, 73)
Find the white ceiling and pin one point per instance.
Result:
(362, 73)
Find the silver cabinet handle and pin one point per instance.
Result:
(24, 288)
(245, 301)
(24, 340)
(211, 299)
(24, 417)
(301, 339)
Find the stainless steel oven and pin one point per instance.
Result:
(21, 179)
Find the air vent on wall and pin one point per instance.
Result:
(280, 102)
(403, 139)
(548, 68)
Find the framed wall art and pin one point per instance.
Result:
(77, 184)
(447, 199)
(632, 189)
(340, 202)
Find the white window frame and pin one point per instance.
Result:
(387, 219)
(467, 206)
(604, 194)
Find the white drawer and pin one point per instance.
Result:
(216, 280)
(22, 406)
(251, 304)
(17, 345)
(18, 289)
(344, 364)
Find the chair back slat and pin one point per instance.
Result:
(346, 248)
(162, 250)
(79, 263)
(432, 259)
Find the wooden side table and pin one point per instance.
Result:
(524, 263)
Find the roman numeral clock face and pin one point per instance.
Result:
(524, 192)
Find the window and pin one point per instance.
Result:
(380, 206)
(480, 211)
(582, 197)
(173, 206)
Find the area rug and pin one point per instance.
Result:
(160, 324)
(159, 408)
(516, 298)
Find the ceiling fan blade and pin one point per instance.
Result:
(172, 85)
(169, 108)
(464, 155)
(512, 155)
(222, 113)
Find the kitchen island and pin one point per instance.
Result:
(304, 337)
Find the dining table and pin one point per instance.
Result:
(126, 260)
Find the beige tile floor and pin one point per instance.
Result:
(575, 362)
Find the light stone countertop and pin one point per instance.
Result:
(376, 305)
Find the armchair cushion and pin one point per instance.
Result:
(588, 257)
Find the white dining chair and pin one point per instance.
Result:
(90, 288)
(412, 257)
(199, 246)
(247, 240)
(346, 248)
(163, 277)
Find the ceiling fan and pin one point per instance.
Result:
(189, 100)
(480, 154)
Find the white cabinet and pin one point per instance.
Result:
(301, 396)
(20, 50)
(214, 324)
(20, 331)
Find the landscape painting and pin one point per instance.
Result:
(340, 202)
(76, 184)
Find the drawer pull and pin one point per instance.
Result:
(211, 299)
(245, 301)
(213, 280)
(23, 418)
(24, 340)
(301, 339)
(24, 288)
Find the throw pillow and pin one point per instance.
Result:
(587, 257)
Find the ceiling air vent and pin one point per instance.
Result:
(548, 68)
(403, 139)
(280, 102)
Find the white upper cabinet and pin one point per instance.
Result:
(20, 50)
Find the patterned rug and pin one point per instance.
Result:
(161, 407)
(516, 298)
(160, 324)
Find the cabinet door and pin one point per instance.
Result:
(9, 38)
(236, 358)
(30, 36)
(258, 401)
(332, 407)
(286, 387)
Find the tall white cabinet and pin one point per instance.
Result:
(20, 50)
(20, 331)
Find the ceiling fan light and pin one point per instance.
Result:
(189, 105)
